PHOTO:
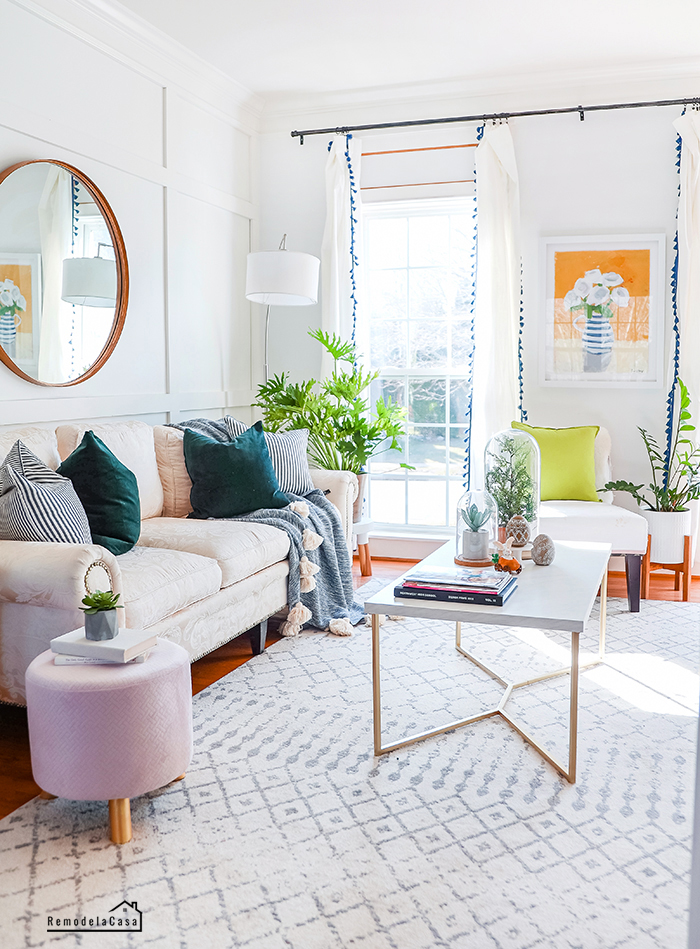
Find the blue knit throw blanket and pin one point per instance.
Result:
(320, 590)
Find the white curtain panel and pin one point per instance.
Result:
(497, 309)
(688, 127)
(336, 261)
(55, 226)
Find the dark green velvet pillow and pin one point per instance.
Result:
(231, 478)
(108, 491)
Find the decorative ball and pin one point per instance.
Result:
(519, 529)
(543, 550)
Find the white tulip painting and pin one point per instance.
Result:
(604, 311)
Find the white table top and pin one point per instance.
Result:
(559, 596)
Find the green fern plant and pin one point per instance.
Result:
(344, 430)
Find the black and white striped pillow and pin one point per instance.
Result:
(287, 454)
(36, 504)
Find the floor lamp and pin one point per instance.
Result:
(281, 278)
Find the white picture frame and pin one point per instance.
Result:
(581, 348)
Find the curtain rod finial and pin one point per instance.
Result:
(581, 113)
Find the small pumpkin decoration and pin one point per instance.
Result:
(505, 561)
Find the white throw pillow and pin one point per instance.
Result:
(287, 454)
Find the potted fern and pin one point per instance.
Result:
(100, 610)
(345, 431)
(675, 483)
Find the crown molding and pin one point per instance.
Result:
(531, 89)
(115, 30)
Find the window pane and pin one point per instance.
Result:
(427, 400)
(459, 397)
(427, 293)
(428, 343)
(426, 502)
(386, 389)
(386, 245)
(457, 449)
(388, 344)
(429, 241)
(462, 345)
(426, 450)
(387, 294)
(388, 501)
(456, 490)
(386, 460)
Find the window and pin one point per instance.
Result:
(415, 327)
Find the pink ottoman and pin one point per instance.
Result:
(110, 732)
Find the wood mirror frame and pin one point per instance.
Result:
(122, 266)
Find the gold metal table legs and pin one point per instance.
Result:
(569, 770)
(120, 820)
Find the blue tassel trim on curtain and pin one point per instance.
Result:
(353, 225)
(670, 401)
(466, 476)
(521, 324)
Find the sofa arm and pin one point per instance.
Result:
(342, 488)
(53, 575)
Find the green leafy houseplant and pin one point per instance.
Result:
(100, 610)
(344, 430)
(474, 518)
(509, 481)
(676, 477)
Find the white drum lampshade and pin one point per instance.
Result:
(89, 281)
(282, 278)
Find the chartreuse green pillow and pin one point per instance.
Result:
(231, 478)
(108, 491)
(567, 461)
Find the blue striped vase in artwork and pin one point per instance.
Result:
(8, 332)
(597, 339)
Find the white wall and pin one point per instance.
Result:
(169, 143)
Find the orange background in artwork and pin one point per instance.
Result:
(21, 275)
(631, 265)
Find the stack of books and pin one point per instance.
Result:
(129, 645)
(458, 585)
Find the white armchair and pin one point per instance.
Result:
(601, 523)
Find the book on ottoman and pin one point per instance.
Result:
(126, 645)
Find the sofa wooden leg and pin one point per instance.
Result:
(633, 569)
(258, 636)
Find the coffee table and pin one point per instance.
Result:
(558, 597)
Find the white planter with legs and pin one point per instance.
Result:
(668, 530)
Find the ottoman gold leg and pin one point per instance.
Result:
(120, 820)
(45, 796)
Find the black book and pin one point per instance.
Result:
(455, 596)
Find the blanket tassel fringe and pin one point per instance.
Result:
(296, 618)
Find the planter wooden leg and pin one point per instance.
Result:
(687, 568)
(646, 571)
(677, 580)
(120, 820)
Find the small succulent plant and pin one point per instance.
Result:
(100, 602)
(474, 518)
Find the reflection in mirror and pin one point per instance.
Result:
(58, 274)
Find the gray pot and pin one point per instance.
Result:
(102, 625)
(475, 545)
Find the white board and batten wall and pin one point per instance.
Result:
(171, 144)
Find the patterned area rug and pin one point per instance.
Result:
(287, 833)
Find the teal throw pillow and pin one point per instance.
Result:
(231, 478)
(108, 491)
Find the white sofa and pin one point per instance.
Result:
(601, 523)
(197, 583)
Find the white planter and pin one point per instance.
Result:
(668, 530)
(475, 545)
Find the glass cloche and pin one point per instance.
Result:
(477, 528)
(512, 476)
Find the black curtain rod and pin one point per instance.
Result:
(580, 109)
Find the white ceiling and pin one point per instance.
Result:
(312, 46)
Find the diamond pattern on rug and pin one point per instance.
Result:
(287, 832)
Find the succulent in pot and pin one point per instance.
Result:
(477, 520)
(100, 610)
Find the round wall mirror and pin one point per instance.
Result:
(64, 276)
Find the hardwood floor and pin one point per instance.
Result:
(17, 785)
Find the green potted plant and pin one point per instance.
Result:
(344, 430)
(512, 468)
(100, 610)
(675, 483)
(477, 524)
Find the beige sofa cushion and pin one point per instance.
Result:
(40, 441)
(240, 548)
(170, 456)
(158, 583)
(132, 443)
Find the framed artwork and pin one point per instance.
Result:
(603, 315)
(19, 329)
